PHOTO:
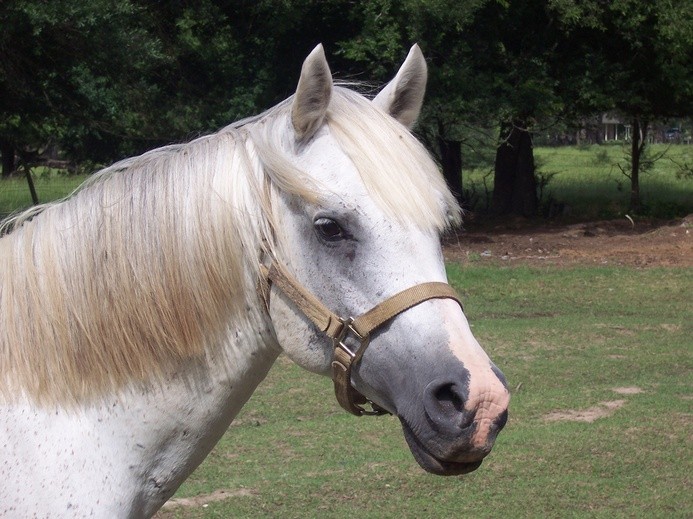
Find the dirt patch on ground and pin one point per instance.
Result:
(615, 242)
(601, 410)
(200, 501)
(630, 390)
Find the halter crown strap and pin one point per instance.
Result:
(359, 328)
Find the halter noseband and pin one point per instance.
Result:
(341, 329)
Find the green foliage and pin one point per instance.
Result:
(381, 42)
(629, 55)
(684, 168)
(71, 72)
(105, 78)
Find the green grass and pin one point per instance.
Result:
(588, 180)
(50, 185)
(566, 339)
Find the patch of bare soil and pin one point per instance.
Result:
(601, 410)
(636, 243)
(200, 501)
(630, 390)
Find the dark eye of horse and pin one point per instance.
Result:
(329, 230)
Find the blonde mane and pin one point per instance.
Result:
(149, 264)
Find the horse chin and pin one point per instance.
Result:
(432, 464)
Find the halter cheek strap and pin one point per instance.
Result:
(341, 329)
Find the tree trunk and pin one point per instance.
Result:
(515, 187)
(599, 130)
(32, 187)
(8, 162)
(451, 159)
(637, 146)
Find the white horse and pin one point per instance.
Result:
(138, 315)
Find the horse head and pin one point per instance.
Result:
(371, 233)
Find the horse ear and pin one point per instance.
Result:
(313, 94)
(403, 96)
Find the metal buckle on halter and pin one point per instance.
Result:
(348, 329)
(356, 399)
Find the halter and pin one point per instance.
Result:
(340, 329)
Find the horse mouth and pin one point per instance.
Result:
(430, 463)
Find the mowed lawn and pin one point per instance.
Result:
(599, 364)
(49, 184)
(586, 183)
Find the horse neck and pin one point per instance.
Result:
(183, 420)
(146, 441)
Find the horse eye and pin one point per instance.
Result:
(329, 230)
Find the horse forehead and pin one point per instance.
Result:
(343, 188)
(325, 160)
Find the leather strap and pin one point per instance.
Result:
(340, 329)
(401, 302)
(321, 316)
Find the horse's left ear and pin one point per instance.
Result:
(312, 96)
(403, 96)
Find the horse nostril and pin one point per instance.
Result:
(444, 406)
(449, 399)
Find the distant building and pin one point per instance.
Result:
(614, 129)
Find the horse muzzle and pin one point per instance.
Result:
(451, 432)
(432, 463)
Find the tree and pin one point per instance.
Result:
(72, 72)
(386, 31)
(631, 56)
(109, 78)
(516, 45)
(488, 61)
(524, 62)
(457, 112)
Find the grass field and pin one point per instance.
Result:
(588, 180)
(611, 345)
(50, 185)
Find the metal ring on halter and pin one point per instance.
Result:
(344, 360)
